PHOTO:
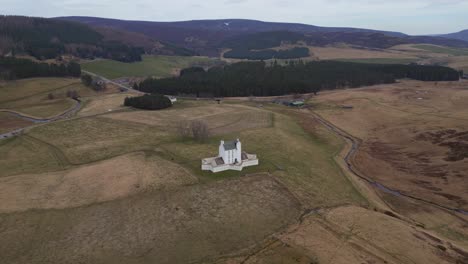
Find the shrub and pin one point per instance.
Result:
(86, 79)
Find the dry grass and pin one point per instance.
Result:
(351, 235)
(42, 109)
(25, 155)
(390, 119)
(121, 188)
(169, 117)
(195, 223)
(331, 53)
(220, 119)
(103, 104)
(30, 96)
(94, 183)
(100, 216)
(400, 125)
(92, 139)
(20, 89)
(9, 122)
(302, 162)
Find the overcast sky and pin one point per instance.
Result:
(408, 16)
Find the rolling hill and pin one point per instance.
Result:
(461, 35)
(209, 36)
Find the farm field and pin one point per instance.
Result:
(382, 60)
(334, 53)
(151, 66)
(30, 96)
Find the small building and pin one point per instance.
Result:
(465, 76)
(297, 103)
(172, 98)
(230, 157)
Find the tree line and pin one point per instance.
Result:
(14, 68)
(48, 39)
(260, 79)
(148, 102)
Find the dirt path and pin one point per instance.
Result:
(355, 144)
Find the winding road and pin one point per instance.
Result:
(355, 143)
(70, 112)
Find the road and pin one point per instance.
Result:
(355, 144)
(66, 114)
(124, 87)
(70, 112)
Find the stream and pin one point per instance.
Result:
(354, 147)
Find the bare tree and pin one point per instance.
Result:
(200, 131)
(196, 129)
(183, 129)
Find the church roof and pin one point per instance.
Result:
(230, 145)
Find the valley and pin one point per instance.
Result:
(361, 138)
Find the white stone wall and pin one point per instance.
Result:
(230, 156)
(238, 154)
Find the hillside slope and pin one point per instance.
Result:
(49, 38)
(462, 35)
(208, 36)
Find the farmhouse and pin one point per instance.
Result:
(230, 157)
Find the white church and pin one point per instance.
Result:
(230, 157)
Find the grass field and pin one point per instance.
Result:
(381, 60)
(348, 53)
(121, 186)
(100, 138)
(16, 90)
(30, 96)
(110, 162)
(441, 49)
(404, 128)
(9, 122)
(156, 66)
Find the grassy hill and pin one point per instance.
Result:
(31, 96)
(208, 37)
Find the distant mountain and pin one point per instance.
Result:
(209, 37)
(462, 35)
(236, 26)
(260, 45)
